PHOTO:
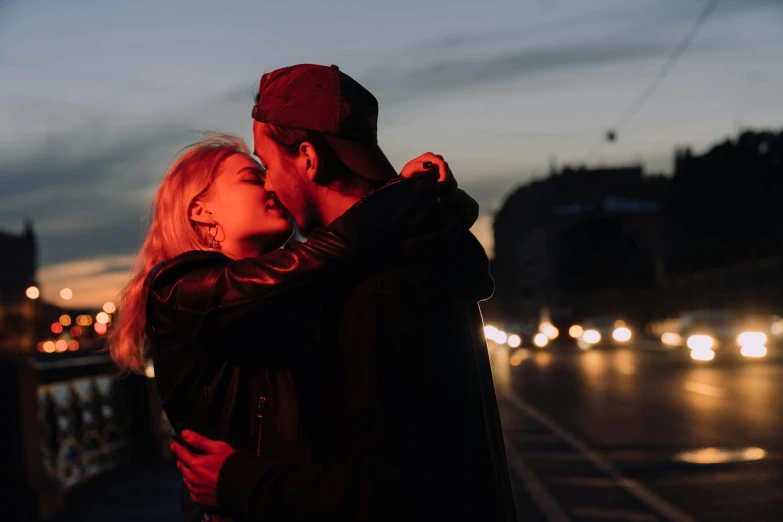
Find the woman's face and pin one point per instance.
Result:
(248, 217)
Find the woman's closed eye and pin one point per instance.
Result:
(253, 176)
(253, 181)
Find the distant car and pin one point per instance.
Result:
(530, 334)
(706, 335)
(503, 334)
(601, 331)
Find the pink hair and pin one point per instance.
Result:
(171, 233)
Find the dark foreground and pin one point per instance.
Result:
(616, 435)
(632, 435)
(146, 492)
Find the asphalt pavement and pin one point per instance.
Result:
(614, 435)
(630, 434)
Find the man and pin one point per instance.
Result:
(398, 398)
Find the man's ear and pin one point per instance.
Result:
(198, 212)
(310, 160)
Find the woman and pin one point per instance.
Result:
(218, 303)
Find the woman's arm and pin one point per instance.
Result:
(200, 282)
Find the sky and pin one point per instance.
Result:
(97, 97)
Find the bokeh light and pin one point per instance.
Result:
(671, 339)
(514, 341)
(100, 328)
(621, 335)
(48, 347)
(61, 345)
(33, 292)
(56, 328)
(576, 331)
(102, 318)
(65, 320)
(752, 339)
(701, 342)
(109, 307)
(753, 351)
(702, 354)
(73, 345)
(591, 336)
(549, 330)
(76, 331)
(66, 293)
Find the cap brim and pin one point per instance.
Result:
(366, 160)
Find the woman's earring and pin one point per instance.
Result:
(212, 230)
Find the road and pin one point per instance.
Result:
(629, 434)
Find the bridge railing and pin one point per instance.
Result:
(75, 419)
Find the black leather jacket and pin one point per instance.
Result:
(399, 403)
(223, 332)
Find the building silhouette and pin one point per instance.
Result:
(18, 313)
(724, 226)
(580, 242)
(586, 242)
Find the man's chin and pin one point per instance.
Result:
(305, 224)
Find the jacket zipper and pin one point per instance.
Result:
(208, 516)
(260, 423)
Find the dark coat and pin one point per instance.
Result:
(223, 332)
(397, 398)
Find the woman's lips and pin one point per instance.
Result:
(272, 205)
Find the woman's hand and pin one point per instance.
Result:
(456, 201)
(431, 165)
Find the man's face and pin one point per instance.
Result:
(286, 179)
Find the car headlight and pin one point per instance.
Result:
(752, 339)
(576, 331)
(671, 339)
(591, 337)
(701, 342)
(549, 330)
(754, 350)
(621, 335)
(540, 340)
(702, 354)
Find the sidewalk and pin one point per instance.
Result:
(147, 492)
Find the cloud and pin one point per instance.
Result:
(395, 86)
(93, 281)
(88, 190)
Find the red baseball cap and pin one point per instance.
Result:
(326, 100)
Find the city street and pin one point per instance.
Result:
(629, 434)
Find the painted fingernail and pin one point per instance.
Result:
(427, 164)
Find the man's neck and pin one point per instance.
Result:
(333, 204)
